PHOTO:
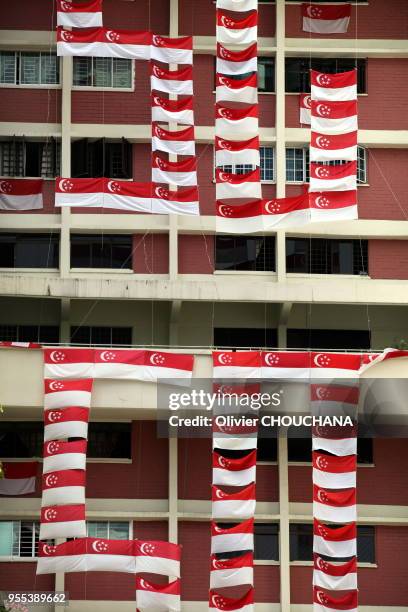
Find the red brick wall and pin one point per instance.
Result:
(21, 576)
(388, 259)
(196, 254)
(30, 105)
(378, 19)
(151, 253)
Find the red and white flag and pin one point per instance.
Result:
(323, 602)
(331, 396)
(232, 572)
(335, 542)
(335, 577)
(334, 87)
(64, 423)
(155, 557)
(232, 121)
(245, 186)
(236, 364)
(334, 118)
(177, 82)
(21, 194)
(237, 151)
(25, 345)
(60, 455)
(234, 472)
(239, 505)
(63, 522)
(158, 597)
(335, 365)
(333, 206)
(236, 90)
(79, 15)
(229, 604)
(285, 365)
(103, 193)
(173, 111)
(341, 177)
(179, 142)
(63, 394)
(260, 215)
(237, 31)
(341, 447)
(334, 506)
(334, 472)
(326, 18)
(232, 539)
(172, 50)
(87, 555)
(184, 201)
(237, 62)
(235, 437)
(63, 487)
(103, 42)
(238, 5)
(324, 147)
(183, 173)
(305, 105)
(18, 478)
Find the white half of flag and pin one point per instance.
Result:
(246, 95)
(79, 19)
(173, 86)
(185, 117)
(235, 443)
(341, 447)
(232, 542)
(221, 578)
(334, 514)
(64, 461)
(61, 399)
(345, 183)
(67, 529)
(225, 157)
(240, 36)
(63, 496)
(173, 147)
(335, 583)
(236, 68)
(238, 5)
(330, 548)
(324, 155)
(334, 94)
(183, 179)
(233, 508)
(334, 480)
(334, 126)
(246, 128)
(67, 429)
(233, 478)
(249, 189)
(326, 26)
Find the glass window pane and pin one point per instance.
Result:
(49, 69)
(267, 163)
(6, 538)
(102, 76)
(122, 72)
(118, 531)
(30, 68)
(266, 74)
(82, 68)
(26, 539)
(97, 529)
(8, 67)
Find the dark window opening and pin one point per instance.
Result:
(297, 71)
(234, 337)
(107, 251)
(23, 158)
(29, 250)
(99, 158)
(44, 334)
(301, 543)
(326, 256)
(103, 336)
(245, 253)
(300, 450)
(329, 339)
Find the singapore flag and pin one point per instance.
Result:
(18, 478)
(326, 18)
(157, 597)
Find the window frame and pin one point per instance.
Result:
(17, 71)
(54, 240)
(362, 163)
(108, 523)
(249, 238)
(18, 158)
(90, 240)
(312, 245)
(35, 524)
(99, 88)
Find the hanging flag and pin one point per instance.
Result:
(158, 597)
(184, 201)
(341, 177)
(336, 577)
(21, 194)
(229, 604)
(330, 397)
(60, 455)
(236, 63)
(172, 50)
(239, 505)
(326, 603)
(103, 193)
(79, 15)
(232, 121)
(63, 487)
(237, 151)
(334, 118)
(179, 142)
(63, 522)
(341, 447)
(102, 42)
(285, 364)
(335, 541)
(154, 557)
(334, 506)
(234, 472)
(236, 90)
(18, 478)
(245, 186)
(238, 5)
(236, 364)
(176, 82)
(305, 105)
(62, 394)
(334, 472)
(324, 148)
(183, 173)
(63, 423)
(326, 18)
(338, 87)
(333, 206)
(237, 31)
(25, 345)
(231, 572)
(173, 111)
(335, 365)
(237, 538)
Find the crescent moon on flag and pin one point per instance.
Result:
(5, 187)
(113, 186)
(56, 385)
(322, 202)
(224, 210)
(307, 100)
(225, 113)
(112, 36)
(47, 549)
(218, 601)
(224, 81)
(63, 185)
(317, 359)
(309, 11)
(322, 110)
(66, 35)
(271, 359)
(146, 549)
(224, 177)
(321, 463)
(52, 447)
(57, 356)
(321, 564)
(155, 359)
(51, 480)
(322, 142)
(217, 564)
(321, 172)
(223, 462)
(223, 144)
(219, 494)
(160, 192)
(158, 41)
(50, 514)
(322, 497)
(321, 393)
(143, 584)
(54, 416)
(224, 53)
(268, 207)
(226, 22)
(221, 359)
(321, 598)
(157, 72)
(218, 529)
(321, 80)
(66, 6)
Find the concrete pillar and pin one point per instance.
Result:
(65, 161)
(65, 324)
(284, 313)
(284, 543)
(173, 490)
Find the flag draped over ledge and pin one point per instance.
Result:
(21, 194)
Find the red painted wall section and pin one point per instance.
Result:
(196, 254)
(150, 253)
(21, 576)
(205, 174)
(30, 105)
(378, 19)
(150, 530)
(100, 586)
(388, 259)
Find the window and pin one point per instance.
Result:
(266, 74)
(110, 441)
(19, 538)
(301, 543)
(29, 68)
(29, 250)
(300, 450)
(93, 159)
(102, 336)
(266, 542)
(102, 72)
(45, 334)
(248, 337)
(267, 447)
(325, 256)
(297, 71)
(110, 530)
(245, 253)
(107, 251)
(267, 168)
(297, 165)
(19, 157)
(329, 339)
